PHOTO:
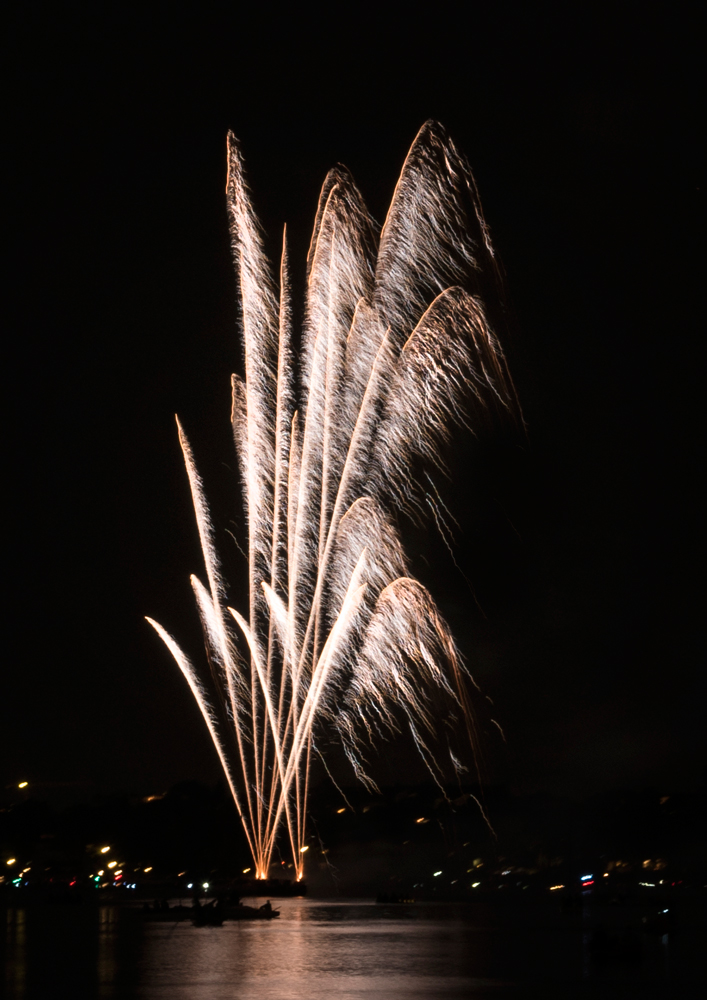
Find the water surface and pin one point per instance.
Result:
(352, 950)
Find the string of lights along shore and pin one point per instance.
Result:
(340, 430)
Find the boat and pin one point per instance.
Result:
(208, 915)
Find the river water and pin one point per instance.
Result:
(325, 950)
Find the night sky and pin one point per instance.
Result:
(578, 597)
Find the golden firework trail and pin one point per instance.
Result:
(396, 351)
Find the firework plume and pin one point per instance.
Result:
(332, 428)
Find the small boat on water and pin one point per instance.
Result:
(242, 912)
(211, 914)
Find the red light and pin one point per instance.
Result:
(585, 884)
(73, 883)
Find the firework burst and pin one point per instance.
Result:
(331, 429)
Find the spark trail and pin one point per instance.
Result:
(397, 351)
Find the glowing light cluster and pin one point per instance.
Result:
(337, 431)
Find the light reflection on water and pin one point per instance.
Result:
(311, 952)
(345, 951)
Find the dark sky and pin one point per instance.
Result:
(582, 542)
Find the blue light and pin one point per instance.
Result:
(585, 878)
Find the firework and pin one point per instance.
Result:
(331, 429)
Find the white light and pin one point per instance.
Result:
(436, 873)
(190, 885)
(475, 885)
(651, 885)
(506, 872)
(205, 885)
